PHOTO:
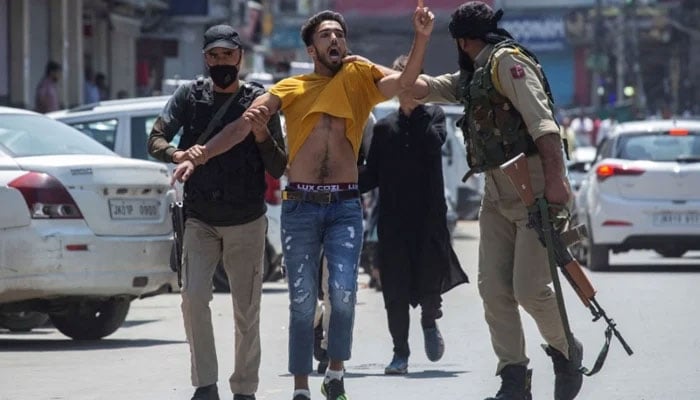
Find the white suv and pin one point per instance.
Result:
(124, 125)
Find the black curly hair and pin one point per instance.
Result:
(311, 24)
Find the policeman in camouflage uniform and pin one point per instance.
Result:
(508, 110)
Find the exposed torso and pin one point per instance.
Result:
(325, 119)
(326, 156)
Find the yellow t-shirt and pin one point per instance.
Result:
(350, 94)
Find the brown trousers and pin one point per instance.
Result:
(514, 270)
(241, 247)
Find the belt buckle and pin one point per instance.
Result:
(325, 197)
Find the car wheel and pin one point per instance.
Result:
(23, 321)
(220, 279)
(598, 257)
(671, 252)
(91, 320)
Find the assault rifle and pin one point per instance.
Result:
(540, 220)
(177, 215)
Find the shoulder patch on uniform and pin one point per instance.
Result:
(506, 54)
(517, 71)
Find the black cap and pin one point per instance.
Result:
(221, 36)
(474, 19)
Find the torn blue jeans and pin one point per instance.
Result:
(307, 228)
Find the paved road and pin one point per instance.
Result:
(654, 301)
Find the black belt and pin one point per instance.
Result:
(323, 197)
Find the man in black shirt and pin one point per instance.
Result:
(224, 208)
(416, 260)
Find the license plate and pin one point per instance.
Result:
(681, 219)
(134, 209)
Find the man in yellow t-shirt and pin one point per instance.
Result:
(325, 113)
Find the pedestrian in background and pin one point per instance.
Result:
(568, 134)
(508, 111)
(101, 83)
(606, 129)
(225, 210)
(91, 93)
(46, 98)
(583, 127)
(417, 263)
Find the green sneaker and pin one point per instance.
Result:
(334, 390)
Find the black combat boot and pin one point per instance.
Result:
(516, 383)
(567, 375)
(209, 392)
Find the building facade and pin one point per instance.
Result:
(78, 34)
(597, 53)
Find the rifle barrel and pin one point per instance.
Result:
(613, 326)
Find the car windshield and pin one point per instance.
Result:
(35, 135)
(660, 146)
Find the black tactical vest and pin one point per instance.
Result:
(494, 131)
(235, 178)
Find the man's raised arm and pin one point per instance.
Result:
(423, 21)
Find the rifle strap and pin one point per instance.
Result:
(547, 228)
(601, 356)
(215, 121)
(469, 174)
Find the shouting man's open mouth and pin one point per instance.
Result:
(334, 55)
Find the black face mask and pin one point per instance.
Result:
(223, 75)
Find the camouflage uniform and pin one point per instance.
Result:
(513, 265)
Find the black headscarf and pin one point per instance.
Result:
(476, 20)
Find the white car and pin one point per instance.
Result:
(642, 191)
(83, 232)
(124, 125)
